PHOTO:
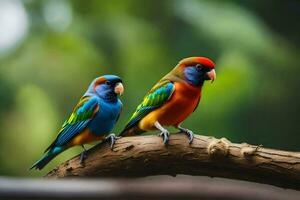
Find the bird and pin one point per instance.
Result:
(172, 99)
(92, 119)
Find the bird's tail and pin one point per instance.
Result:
(41, 163)
(131, 131)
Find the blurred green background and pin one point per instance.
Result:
(51, 50)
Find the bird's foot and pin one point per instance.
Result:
(112, 138)
(188, 132)
(83, 156)
(165, 135)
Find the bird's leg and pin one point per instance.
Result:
(164, 132)
(188, 132)
(112, 138)
(83, 155)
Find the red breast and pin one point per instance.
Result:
(182, 103)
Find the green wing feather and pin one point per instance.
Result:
(155, 98)
(83, 110)
(82, 114)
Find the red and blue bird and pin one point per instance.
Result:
(92, 119)
(172, 99)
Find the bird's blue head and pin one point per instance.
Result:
(107, 87)
(196, 70)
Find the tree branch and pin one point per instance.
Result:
(146, 155)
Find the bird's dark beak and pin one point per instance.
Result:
(212, 75)
(119, 89)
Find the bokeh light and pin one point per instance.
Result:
(13, 24)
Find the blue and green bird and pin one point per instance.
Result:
(92, 119)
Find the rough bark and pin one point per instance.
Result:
(207, 156)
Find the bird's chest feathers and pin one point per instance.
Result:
(105, 118)
(182, 103)
(108, 111)
(186, 96)
(187, 90)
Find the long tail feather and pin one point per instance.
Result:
(40, 164)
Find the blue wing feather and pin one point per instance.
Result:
(79, 119)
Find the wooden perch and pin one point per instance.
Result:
(206, 156)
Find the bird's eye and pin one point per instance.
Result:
(199, 66)
(107, 82)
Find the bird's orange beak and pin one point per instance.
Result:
(212, 75)
(119, 89)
